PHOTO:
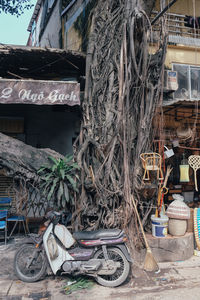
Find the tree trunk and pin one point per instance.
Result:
(123, 89)
(19, 160)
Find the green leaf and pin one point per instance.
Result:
(68, 158)
(47, 177)
(76, 175)
(62, 172)
(72, 200)
(41, 169)
(46, 184)
(66, 192)
(53, 168)
(42, 185)
(80, 283)
(71, 180)
(53, 176)
(58, 203)
(52, 190)
(60, 190)
(63, 202)
(73, 183)
(54, 159)
(75, 166)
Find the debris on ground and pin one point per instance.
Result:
(77, 284)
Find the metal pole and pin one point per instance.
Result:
(162, 12)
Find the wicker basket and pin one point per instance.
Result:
(178, 209)
(177, 227)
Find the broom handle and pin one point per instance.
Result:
(139, 220)
(158, 201)
(161, 192)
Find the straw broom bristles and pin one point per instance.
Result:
(150, 263)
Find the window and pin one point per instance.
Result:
(188, 82)
(50, 4)
(44, 14)
(33, 34)
(47, 7)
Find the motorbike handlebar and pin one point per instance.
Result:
(56, 217)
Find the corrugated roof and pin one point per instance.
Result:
(37, 62)
(170, 101)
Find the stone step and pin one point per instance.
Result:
(172, 248)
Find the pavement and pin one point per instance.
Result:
(175, 280)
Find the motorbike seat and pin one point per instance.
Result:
(98, 234)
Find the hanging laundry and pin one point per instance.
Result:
(192, 22)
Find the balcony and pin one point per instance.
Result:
(178, 32)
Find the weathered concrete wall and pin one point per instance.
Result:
(183, 7)
(51, 35)
(73, 39)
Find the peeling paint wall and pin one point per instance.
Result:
(46, 27)
(181, 7)
(76, 23)
(51, 35)
(181, 54)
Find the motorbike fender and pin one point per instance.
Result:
(125, 251)
(61, 256)
(29, 240)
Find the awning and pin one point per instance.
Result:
(170, 101)
(39, 92)
(22, 62)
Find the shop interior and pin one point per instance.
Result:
(179, 142)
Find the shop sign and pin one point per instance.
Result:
(171, 80)
(39, 92)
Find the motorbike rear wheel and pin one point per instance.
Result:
(121, 273)
(30, 264)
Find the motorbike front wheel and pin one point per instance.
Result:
(121, 273)
(30, 264)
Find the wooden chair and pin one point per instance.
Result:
(152, 162)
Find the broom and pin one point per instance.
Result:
(150, 263)
(161, 192)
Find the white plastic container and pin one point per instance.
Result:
(159, 226)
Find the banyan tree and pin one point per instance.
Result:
(122, 92)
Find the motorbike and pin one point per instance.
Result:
(102, 254)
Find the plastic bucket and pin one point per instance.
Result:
(159, 226)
